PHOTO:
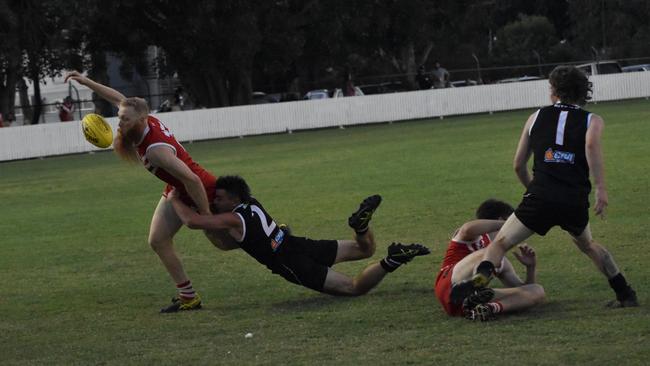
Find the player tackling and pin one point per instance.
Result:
(143, 138)
(299, 260)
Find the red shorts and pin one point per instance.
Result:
(443, 289)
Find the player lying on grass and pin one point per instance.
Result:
(303, 261)
(143, 138)
(465, 252)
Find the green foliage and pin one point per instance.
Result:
(81, 286)
(517, 40)
(224, 50)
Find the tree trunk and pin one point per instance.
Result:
(241, 88)
(8, 90)
(409, 66)
(207, 88)
(98, 73)
(24, 100)
(38, 102)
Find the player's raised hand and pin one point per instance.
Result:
(601, 202)
(526, 255)
(76, 76)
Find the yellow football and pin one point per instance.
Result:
(97, 131)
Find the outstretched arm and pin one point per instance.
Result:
(520, 162)
(108, 93)
(594, 153)
(471, 229)
(193, 220)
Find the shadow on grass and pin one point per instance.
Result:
(319, 301)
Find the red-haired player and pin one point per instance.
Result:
(143, 138)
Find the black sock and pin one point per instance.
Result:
(389, 265)
(362, 231)
(486, 268)
(621, 287)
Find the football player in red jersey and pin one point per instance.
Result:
(143, 138)
(465, 252)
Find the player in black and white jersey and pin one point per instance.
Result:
(303, 261)
(565, 141)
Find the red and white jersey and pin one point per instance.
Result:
(457, 249)
(156, 134)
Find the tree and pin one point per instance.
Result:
(10, 58)
(525, 40)
(41, 42)
(615, 28)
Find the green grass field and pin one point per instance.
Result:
(79, 284)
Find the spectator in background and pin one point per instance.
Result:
(348, 85)
(1, 121)
(423, 80)
(11, 118)
(66, 110)
(178, 103)
(349, 89)
(440, 76)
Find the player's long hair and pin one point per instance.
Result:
(571, 85)
(235, 186)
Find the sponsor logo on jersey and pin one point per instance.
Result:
(557, 156)
(275, 242)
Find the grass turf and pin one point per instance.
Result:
(80, 285)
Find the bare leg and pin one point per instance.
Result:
(464, 269)
(339, 284)
(363, 247)
(164, 225)
(519, 298)
(598, 254)
(512, 233)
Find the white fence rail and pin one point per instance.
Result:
(65, 138)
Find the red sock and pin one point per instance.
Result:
(185, 290)
(496, 307)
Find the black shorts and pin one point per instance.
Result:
(305, 261)
(540, 215)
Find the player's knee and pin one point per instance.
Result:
(538, 294)
(585, 246)
(346, 288)
(356, 291)
(158, 244)
(367, 252)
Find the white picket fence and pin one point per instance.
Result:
(64, 138)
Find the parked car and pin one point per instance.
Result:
(635, 68)
(259, 97)
(518, 79)
(317, 94)
(338, 93)
(381, 88)
(324, 93)
(461, 83)
(601, 67)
